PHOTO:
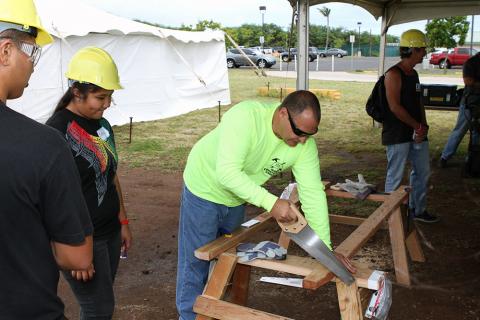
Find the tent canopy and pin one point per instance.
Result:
(402, 11)
(61, 21)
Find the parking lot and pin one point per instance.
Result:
(357, 63)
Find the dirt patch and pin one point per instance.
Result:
(446, 286)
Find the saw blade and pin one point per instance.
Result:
(308, 240)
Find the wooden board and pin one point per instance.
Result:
(314, 272)
(399, 250)
(349, 301)
(217, 284)
(222, 310)
(367, 229)
(414, 247)
(346, 195)
(241, 281)
(222, 244)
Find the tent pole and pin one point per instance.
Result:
(303, 7)
(383, 42)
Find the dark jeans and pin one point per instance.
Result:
(96, 296)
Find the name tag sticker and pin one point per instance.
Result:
(103, 133)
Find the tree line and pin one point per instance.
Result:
(444, 32)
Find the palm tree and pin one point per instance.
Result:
(326, 13)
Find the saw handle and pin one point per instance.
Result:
(298, 225)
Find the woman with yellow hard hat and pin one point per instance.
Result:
(93, 77)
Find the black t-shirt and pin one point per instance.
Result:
(40, 202)
(471, 68)
(395, 131)
(93, 147)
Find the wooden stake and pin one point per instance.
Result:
(349, 301)
(241, 280)
(414, 247)
(399, 251)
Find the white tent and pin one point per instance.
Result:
(164, 72)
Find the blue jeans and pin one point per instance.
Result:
(457, 134)
(200, 221)
(96, 296)
(397, 156)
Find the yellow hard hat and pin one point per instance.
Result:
(413, 38)
(96, 66)
(22, 15)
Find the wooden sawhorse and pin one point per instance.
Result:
(352, 299)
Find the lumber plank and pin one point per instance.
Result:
(317, 278)
(301, 266)
(223, 310)
(399, 250)
(348, 220)
(241, 280)
(217, 284)
(343, 194)
(349, 301)
(366, 230)
(218, 246)
(221, 275)
(414, 247)
(314, 272)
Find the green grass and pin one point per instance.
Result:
(346, 133)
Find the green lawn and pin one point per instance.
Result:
(346, 135)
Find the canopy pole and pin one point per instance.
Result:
(383, 42)
(303, 7)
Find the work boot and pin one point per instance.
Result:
(426, 217)
(442, 163)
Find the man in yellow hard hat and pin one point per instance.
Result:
(44, 220)
(405, 126)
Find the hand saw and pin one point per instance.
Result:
(301, 233)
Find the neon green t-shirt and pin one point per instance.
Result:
(230, 164)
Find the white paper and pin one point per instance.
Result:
(292, 282)
(374, 279)
(250, 223)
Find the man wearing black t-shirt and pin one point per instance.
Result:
(44, 220)
(405, 126)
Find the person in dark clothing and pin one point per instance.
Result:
(44, 219)
(471, 78)
(405, 126)
(93, 77)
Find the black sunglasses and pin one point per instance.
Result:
(297, 131)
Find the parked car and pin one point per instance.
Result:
(278, 49)
(264, 50)
(436, 51)
(235, 59)
(332, 52)
(312, 54)
(454, 57)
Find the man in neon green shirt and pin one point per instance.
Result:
(227, 167)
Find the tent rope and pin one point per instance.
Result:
(262, 72)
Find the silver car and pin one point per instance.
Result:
(235, 59)
(332, 52)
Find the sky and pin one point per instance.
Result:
(230, 13)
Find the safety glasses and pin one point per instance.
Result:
(297, 131)
(32, 50)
